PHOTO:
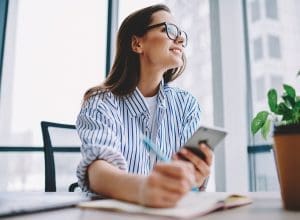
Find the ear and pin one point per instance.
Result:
(136, 45)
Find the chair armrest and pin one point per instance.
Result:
(73, 186)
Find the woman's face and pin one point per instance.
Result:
(157, 48)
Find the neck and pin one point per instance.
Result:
(149, 82)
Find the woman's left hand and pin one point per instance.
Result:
(202, 165)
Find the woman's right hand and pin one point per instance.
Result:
(167, 184)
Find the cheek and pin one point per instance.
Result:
(158, 44)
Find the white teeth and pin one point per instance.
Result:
(176, 50)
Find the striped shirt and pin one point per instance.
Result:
(110, 128)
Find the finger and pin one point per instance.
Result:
(178, 170)
(208, 153)
(171, 199)
(194, 159)
(175, 169)
(174, 185)
(199, 179)
(163, 199)
(204, 169)
(175, 157)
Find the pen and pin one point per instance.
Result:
(151, 147)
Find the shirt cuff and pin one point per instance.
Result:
(90, 154)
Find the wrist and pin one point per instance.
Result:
(132, 188)
(141, 191)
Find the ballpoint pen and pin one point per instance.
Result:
(151, 147)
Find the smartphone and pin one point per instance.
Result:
(211, 136)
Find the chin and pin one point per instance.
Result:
(178, 63)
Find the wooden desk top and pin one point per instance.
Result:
(265, 206)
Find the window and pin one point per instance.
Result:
(59, 53)
(271, 9)
(255, 10)
(281, 63)
(274, 46)
(265, 171)
(54, 51)
(257, 49)
(276, 82)
(260, 88)
(3, 10)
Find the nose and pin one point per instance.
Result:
(180, 39)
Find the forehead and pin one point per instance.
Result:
(162, 16)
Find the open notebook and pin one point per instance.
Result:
(193, 204)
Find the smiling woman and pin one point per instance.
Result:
(194, 18)
(136, 100)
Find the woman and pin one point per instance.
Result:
(135, 100)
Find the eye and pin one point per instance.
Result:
(172, 29)
(163, 29)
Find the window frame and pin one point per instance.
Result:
(3, 20)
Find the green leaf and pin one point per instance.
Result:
(259, 121)
(282, 109)
(289, 90)
(297, 104)
(285, 112)
(296, 115)
(272, 100)
(266, 129)
(289, 101)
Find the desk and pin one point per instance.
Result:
(265, 206)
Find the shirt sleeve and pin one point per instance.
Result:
(99, 136)
(191, 118)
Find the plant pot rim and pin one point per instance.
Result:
(287, 129)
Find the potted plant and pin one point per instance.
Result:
(284, 114)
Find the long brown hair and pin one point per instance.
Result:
(125, 73)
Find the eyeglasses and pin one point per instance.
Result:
(173, 32)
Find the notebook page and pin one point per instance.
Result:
(193, 204)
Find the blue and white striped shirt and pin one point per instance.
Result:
(110, 128)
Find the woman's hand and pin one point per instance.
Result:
(167, 184)
(202, 166)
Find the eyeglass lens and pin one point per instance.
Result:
(173, 33)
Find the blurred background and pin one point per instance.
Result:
(52, 51)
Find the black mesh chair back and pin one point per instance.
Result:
(63, 140)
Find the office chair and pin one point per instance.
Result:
(60, 138)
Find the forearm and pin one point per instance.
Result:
(108, 180)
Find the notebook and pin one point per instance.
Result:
(192, 205)
(17, 203)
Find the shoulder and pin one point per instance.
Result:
(178, 93)
(104, 101)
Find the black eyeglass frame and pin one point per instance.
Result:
(179, 31)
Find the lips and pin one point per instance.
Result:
(176, 50)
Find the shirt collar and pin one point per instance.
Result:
(136, 103)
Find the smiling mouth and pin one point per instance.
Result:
(177, 51)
